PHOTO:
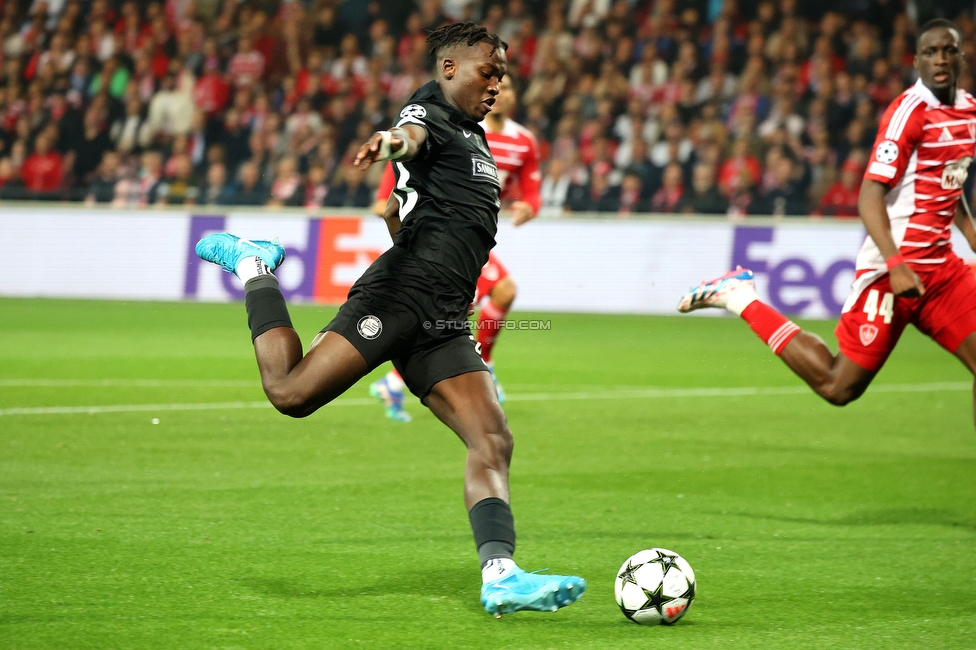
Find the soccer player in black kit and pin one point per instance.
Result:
(411, 305)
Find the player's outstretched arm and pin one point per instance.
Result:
(399, 143)
(874, 214)
(965, 223)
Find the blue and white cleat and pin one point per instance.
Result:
(715, 293)
(392, 400)
(228, 250)
(519, 591)
(498, 387)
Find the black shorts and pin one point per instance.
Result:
(402, 310)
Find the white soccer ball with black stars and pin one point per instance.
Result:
(655, 586)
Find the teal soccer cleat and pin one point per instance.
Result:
(228, 250)
(715, 293)
(392, 400)
(520, 591)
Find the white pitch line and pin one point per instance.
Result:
(140, 408)
(648, 393)
(744, 391)
(131, 383)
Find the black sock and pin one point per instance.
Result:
(494, 529)
(265, 305)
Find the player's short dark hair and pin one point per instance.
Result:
(466, 33)
(936, 23)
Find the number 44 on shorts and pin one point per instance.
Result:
(886, 309)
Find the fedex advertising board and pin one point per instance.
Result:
(802, 267)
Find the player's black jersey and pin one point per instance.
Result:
(449, 193)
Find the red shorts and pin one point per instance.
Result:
(491, 274)
(868, 332)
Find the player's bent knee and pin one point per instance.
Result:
(288, 402)
(839, 395)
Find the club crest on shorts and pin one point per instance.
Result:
(868, 333)
(370, 327)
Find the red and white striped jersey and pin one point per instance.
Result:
(245, 69)
(516, 154)
(922, 153)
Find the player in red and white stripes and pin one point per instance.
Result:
(906, 272)
(516, 155)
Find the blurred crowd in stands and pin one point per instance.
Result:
(674, 106)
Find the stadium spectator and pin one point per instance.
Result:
(555, 185)
(596, 195)
(94, 143)
(102, 187)
(249, 190)
(631, 196)
(211, 91)
(215, 190)
(113, 76)
(42, 171)
(7, 171)
(130, 133)
(783, 194)
(674, 147)
(316, 189)
(180, 186)
(840, 200)
(171, 109)
(704, 196)
(145, 189)
(668, 196)
(286, 190)
(350, 191)
(235, 140)
(246, 67)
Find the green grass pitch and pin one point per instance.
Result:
(232, 526)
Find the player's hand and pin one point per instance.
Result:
(370, 151)
(905, 283)
(521, 212)
(470, 309)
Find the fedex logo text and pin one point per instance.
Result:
(800, 280)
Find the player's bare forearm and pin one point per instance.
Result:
(965, 224)
(405, 143)
(391, 215)
(874, 214)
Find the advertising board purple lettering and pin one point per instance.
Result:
(801, 275)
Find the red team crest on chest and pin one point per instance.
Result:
(868, 333)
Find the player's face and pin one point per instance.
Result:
(939, 59)
(505, 102)
(474, 78)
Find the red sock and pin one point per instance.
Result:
(490, 322)
(775, 329)
(395, 373)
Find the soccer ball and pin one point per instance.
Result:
(655, 586)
